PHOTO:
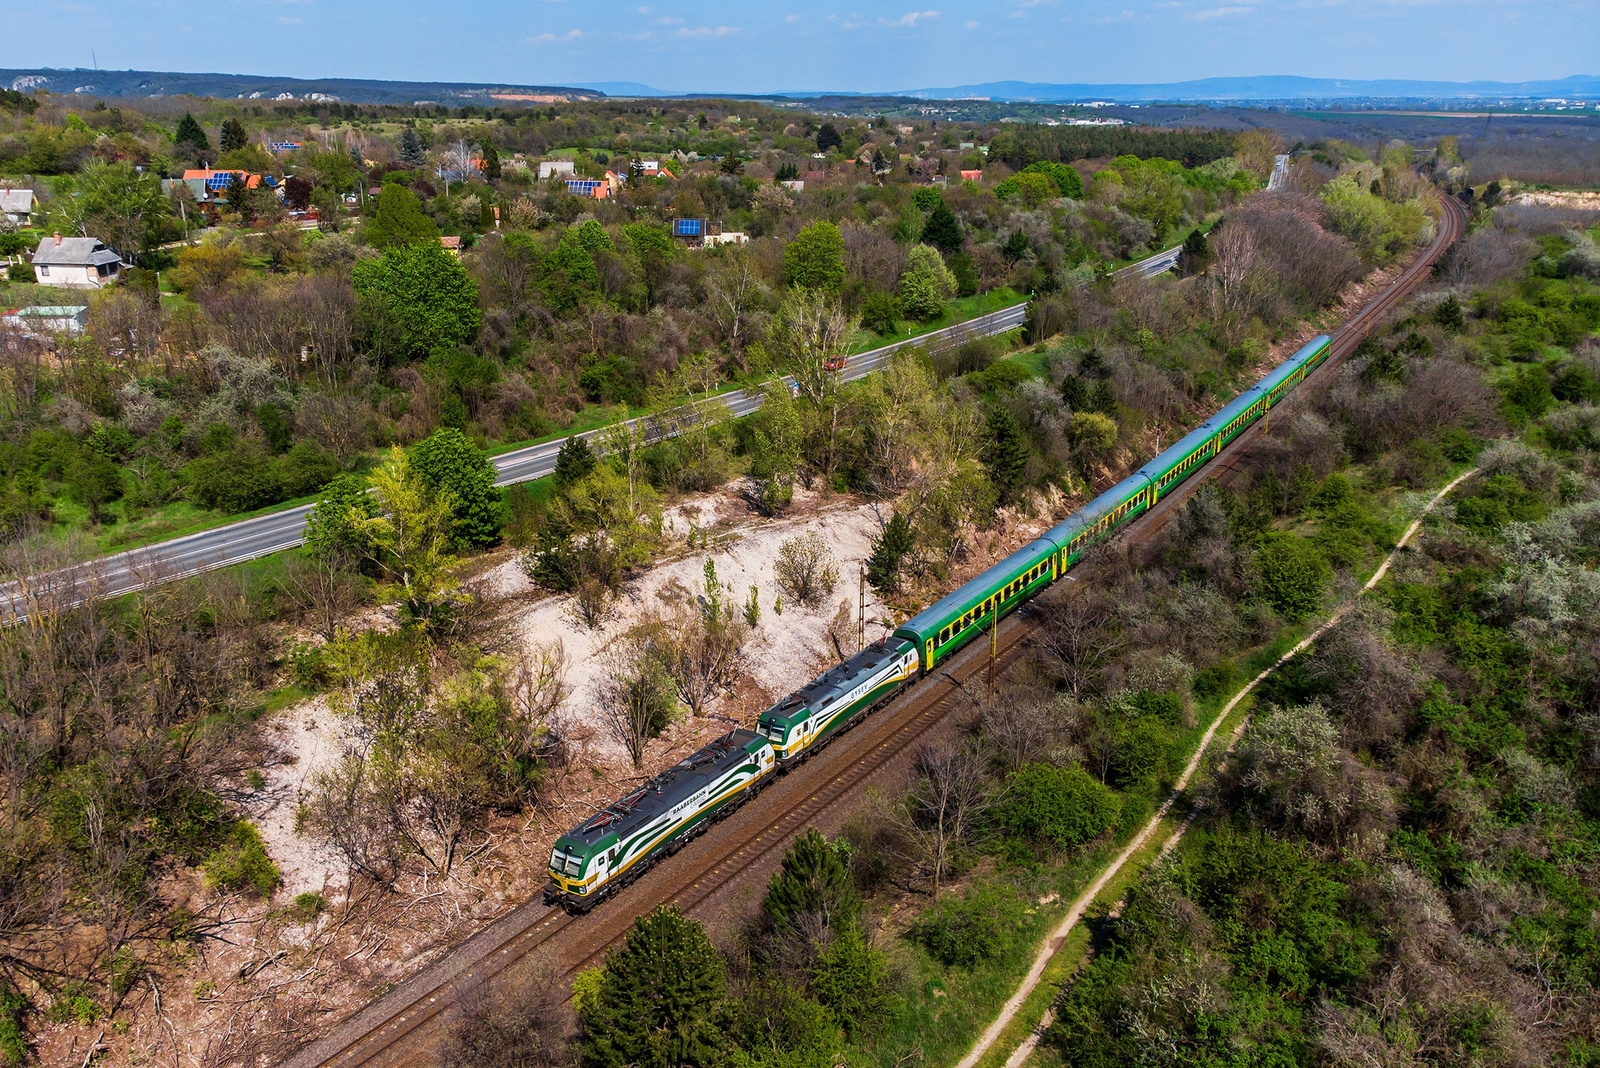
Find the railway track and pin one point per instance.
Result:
(396, 1028)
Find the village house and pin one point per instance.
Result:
(75, 262)
(209, 186)
(17, 205)
(49, 318)
(550, 168)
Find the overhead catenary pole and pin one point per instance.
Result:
(861, 615)
(994, 642)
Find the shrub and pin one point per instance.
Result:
(962, 932)
(1216, 680)
(1065, 807)
(805, 569)
(307, 906)
(13, 1028)
(242, 862)
(1292, 573)
(1146, 753)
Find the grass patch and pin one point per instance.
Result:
(946, 1009)
(959, 310)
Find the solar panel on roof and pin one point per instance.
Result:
(688, 227)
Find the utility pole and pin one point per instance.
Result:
(994, 642)
(861, 627)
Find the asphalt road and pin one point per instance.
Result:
(263, 535)
(248, 539)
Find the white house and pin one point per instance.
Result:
(17, 205)
(49, 319)
(548, 167)
(78, 262)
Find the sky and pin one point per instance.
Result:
(854, 45)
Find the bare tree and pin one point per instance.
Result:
(524, 1025)
(326, 589)
(734, 294)
(1077, 636)
(634, 695)
(943, 811)
(805, 569)
(345, 812)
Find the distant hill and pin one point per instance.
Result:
(136, 83)
(1268, 87)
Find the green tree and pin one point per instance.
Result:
(1292, 573)
(400, 220)
(1016, 246)
(1005, 455)
(926, 285)
(813, 878)
(336, 524)
(942, 230)
(828, 137)
(652, 246)
(1449, 314)
(1034, 189)
(889, 552)
(1066, 179)
(190, 133)
(573, 463)
(448, 462)
(881, 313)
(233, 135)
(775, 450)
(491, 161)
(926, 198)
(411, 536)
(95, 482)
(413, 153)
(815, 258)
(275, 428)
(658, 1004)
(1195, 255)
(570, 277)
(852, 980)
(425, 295)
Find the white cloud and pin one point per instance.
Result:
(1124, 16)
(707, 31)
(791, 19)
(645, 36)
(910, 18)
(285, 20)
(1220, 13)
(668, 20)
(547, 38)
(644, 11)
(970, 25)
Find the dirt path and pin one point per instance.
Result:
(1058, 937)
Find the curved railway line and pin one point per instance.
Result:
(395, 1028)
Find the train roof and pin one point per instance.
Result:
(1063, 533)
(822, 691)
(1289, 366)
(1179, 449)
(684, 778)
(976, 589)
